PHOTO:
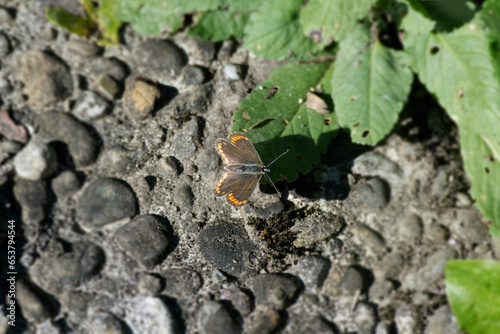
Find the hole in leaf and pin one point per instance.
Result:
(355, 125)
(299, 157)
(246, 116)
(316, 35)
(434, 50)
(271, 92)
(353, 98)
(490, 157)
(328, 121)
(460, 92)
(487, 170)
(365, 133)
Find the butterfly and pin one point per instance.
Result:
(243, 169)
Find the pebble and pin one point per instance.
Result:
(65, 184)
(71, 269)
(373, 163)
(442, 321)
(384, 327)
(227, 247)
(214, 318)
(6, 17)
(146, 239)
(316, 227)
(48, 327)
(313, 270)
(184, 198)
(440, 183)
(390, 266)
(8, 148)
(46, 79)
(82, 147)
(147, 314)
(104, 322)
(115, 160)
(170, 167)
(370, 239)
(374, 193)
(232, 72)
(193, 75)
(82, 47)
(263, 321)
(151, 284)
(186, 140)
(437, 233)
(109, 66)
(365, 318)
(35, 161)
(33, 303)
(107, 87)
(469, 229)
(431, 272)
(406, 320)
(10, 130)
(331, 285)
(353, 281)
(32, 197)
(305, 323)
(105, 201)
(5, 86)
(274, 290)
(240, 300)
(410, 229)
(90, 106)
(159, 57)
(227, 49)
(140, 97)
(75, 305)
(380, 290)
(5, 47)
(199, 50)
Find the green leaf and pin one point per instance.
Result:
(275, 117)
(473, 290)
(219, 25)
(106, 17)
(328, 20)
(371, 84)
(457, 68)
(150, 16)
(490, 15)
(81, 26)
(275, 32)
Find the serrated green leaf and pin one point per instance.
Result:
(150, 16)
(457, 68)
(275, 117)
(219, 25)
(370, 85)
(81, 26)
(490, 15)
(328, 20)
(274, 31)
(473, 290)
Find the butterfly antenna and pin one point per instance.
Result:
(273, 184)
(279, 156)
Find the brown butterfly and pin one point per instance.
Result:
(243, 169)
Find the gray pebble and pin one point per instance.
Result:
(274, 290)
(90, 106)
(410, 229)
(105, 201)
(32, 197)
(186, 140)
(381, 290)
(227, 49)
(109, 66)
(199, 49)
(353, 281)
(313, 270)
(193, 75)
(263, 321)
(310, 323)
(315, 228)
(65, 184)
(147, 314)
(437, 233)
(406, 319)
(80, 264)
(107, 87)
(390, 266)
(384, 327)
(214, 318)
(8, 148)
(6, 18)
(365, 318)
(5, 86)
(115, 160)
(240, 300)
(54, 126)
(46, 79)
(36, 160)
(431, 272)
(184, 197)
(181, 282)
(48, 327)
(149, 283)
(469, 229)
(104, 322)
(232, 72)
(331, 285)
(170, 167)
(146, 239)
(227, 247)
(5, 46)
(442, 321)
(140, 97)
(374, 193)
(440, 184)
(370, 239)
(34, 305)
(373, 163)
(82, 47)
(75, 304)
(156, 56)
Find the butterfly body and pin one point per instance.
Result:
(243, 169)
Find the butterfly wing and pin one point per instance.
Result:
(237, 187)
(242, 142)
(232, 155)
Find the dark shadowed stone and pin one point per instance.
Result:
(46, 78)
(193, 75)
(227, 247)
(146, 239)
(181, 282)
(156, 56)
(214, 318)
(390, 266)
(370, 239)
(352, 281)
(274, 290)
(105, 201)
(78, 265)
(55, 126)
(32, 197)
(109, 66)
(33, 302)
